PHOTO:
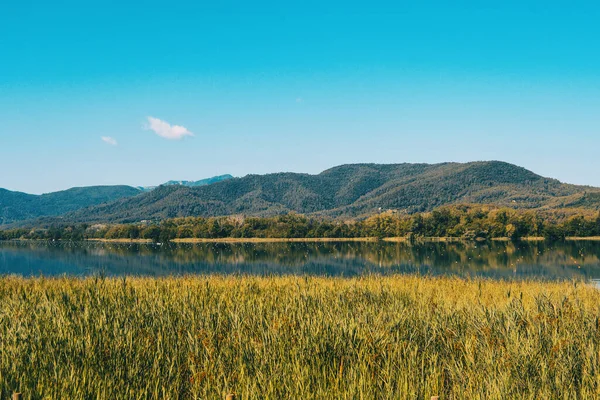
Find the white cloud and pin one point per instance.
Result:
(109, 140)
(166, 130)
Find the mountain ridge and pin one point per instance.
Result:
(351, 191)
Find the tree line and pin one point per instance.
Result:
(462, 221)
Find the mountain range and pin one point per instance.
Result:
(346, 191)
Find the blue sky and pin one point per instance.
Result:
(266, 87)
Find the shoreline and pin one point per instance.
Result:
(278, 240)
(524, 239)
(401, 239)
(584, 238)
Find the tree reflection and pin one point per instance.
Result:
(489, 259)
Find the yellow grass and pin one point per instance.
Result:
(396, 337)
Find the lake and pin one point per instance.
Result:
(497, 260)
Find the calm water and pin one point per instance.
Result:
(496, 260)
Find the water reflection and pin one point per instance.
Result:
(493, 259)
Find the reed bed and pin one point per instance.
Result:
(398, 337)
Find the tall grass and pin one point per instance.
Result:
(399, 337)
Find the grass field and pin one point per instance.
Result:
(398, 337)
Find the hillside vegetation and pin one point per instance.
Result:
(399, 337)
(351, 191)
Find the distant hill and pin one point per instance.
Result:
(202, 182)
(17, 206)
(353, 190)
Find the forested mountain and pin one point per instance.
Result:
(17, 206)
(351, 191)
